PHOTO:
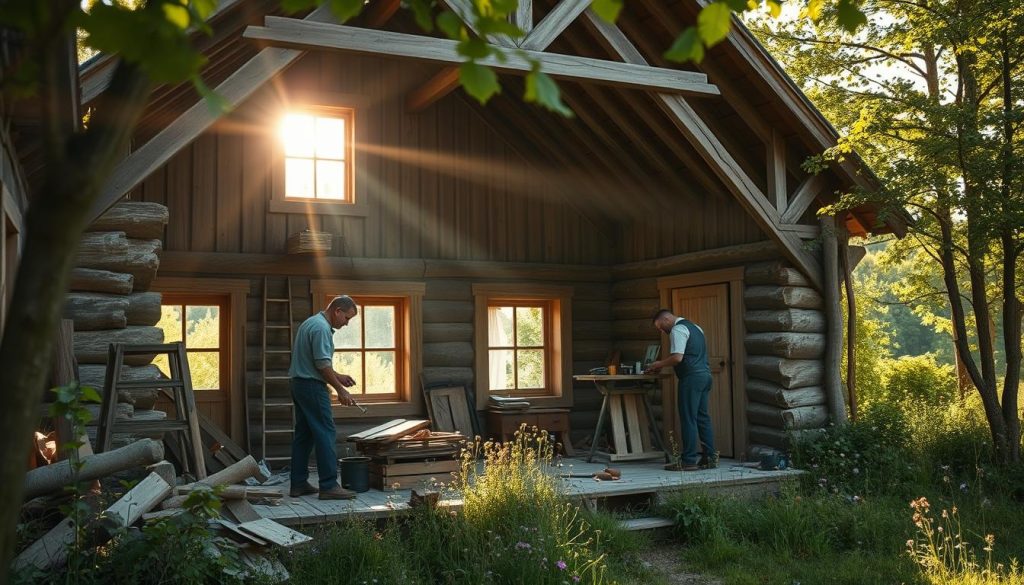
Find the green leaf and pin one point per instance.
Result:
(176, 14)
(451, 25)
(204, 8)
(850, 17)
(474, 48)
(423, 10)
(490, 26)
(543, 91)
(713, 22)
(503, 8)
(686, 47)
(608, 9)
(345, 10)
(478, 81)
(89, 394)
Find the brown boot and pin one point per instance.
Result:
(337, 493)
(302, 490)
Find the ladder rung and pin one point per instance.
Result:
(277, 351)
(147, 384)
(156, 426)
(277, 326)
(278, 404)
(278, 431)
(276, 378)
(278, 300)
(280, 458)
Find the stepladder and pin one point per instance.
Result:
(184, 428)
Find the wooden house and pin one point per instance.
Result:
(451, 223)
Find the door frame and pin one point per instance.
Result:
(733, 277)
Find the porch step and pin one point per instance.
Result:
(653, 523)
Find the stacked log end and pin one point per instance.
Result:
(109, 300)
(785, 343)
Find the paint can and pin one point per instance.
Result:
(355, 473)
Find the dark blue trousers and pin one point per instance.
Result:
(694, 392)
(314, 428)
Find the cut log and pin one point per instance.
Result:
(448, 290)
(786, 373)
(51, 478)
(143, 399)
(774, 272)
(448, 353)
(231, 492)
(51, 551)
(95, 311)
(164, 469)
(591, 330)
(781, 297)
(113, 251)
(795, 320)
(786, 345)
(91, 346)
(635, 308)
(447, 311)
(804, 417)
(640, 288)
(779, 438)
(440, 332)
(105, 281)
(634, 329)
(233, 474)
(144, 308)
(770, 393)
(697, 261)
(433, 375)
(137, 219)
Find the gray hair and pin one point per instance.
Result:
(343, 302)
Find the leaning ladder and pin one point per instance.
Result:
(275, 403)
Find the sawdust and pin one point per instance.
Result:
(664, 560)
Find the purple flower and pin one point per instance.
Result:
(575, 578)
(561, 565)
(523, 545)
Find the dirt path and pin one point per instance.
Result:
(664, 560)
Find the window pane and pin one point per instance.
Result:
(381, 372)
(350, 363)
(350, 336)
(531, 368)
(500, 369)
(499, 326)
(170, 322)
(530, 326)
(298, 178)
(204, 366)
(298, 134)
(330, 138)
(330, 179)
(380, 327)
(203, 327)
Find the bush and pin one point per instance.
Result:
(919, 380)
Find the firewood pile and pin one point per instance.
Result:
(159, 496)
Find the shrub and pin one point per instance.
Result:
(919, 380)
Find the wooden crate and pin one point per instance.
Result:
(412, 474)
(309, 242)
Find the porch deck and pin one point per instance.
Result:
(638, 478)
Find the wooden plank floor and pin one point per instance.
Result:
(637, 478)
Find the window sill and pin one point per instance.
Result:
(318, 207)
(378, 409)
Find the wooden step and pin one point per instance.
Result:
(634, 524)
(277, 300)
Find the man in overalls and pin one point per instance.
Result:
(688, 356)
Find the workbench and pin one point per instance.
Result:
(635, 432)
(504, 424)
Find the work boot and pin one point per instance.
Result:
(302, 490)
(337, 493)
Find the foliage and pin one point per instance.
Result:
(921, 380)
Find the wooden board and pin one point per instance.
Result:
(416, 467)
(406, 482)
(267, 529)
(398, 431)
(248, 536)
(242, 510)
(636, 444)
(362, 436)
(451, 410)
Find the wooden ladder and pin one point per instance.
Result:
(275, 403)
(178, 389)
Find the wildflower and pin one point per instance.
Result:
(856, 471)
(910, 543)
(963, 487)
(523, 545)
(575, 578)
(561, 564)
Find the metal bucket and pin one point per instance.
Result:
(355, 473)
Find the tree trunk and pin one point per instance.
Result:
(834, 318)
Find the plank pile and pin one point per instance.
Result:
(405, 454)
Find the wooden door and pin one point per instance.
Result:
(708, 307)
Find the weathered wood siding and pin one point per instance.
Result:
(440, 184)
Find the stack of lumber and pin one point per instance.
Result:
(785, 343)
(108, 300)
(406, 453)
(159, 488)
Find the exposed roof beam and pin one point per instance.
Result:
(309, 35)
(776, 159)
(802, 198)
(523, 16)
(134, 169)
(556, 21)
(464, 10)
(718, 158)
(441, 84)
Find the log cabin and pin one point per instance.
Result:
(672, 185)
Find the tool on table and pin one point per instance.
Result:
(608, 474)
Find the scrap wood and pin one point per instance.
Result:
(278, 534)
(242, 510)
(231, 492)
(52, 549)
(51, 478)
(233, 474)
(235, 530)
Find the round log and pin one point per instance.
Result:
(771, 393)
(91, 346)
(92, 311)
(143, 399)
(592, 350)
(104, 281)
(634, 329)
(635, 309)
(232, 474)
(641, 288)
(52, 478)
(461, 375)
(786, 345)
(785, 372)
(144, 308)
(696, 261)
(795, 320)
(594, 310)
(447, 311)
(137, 219)
(778, 438)
(591, 330)
(774, 272)
(448, 353)
(436, 332)
(781, 297)
(804, 417)
(448, 290)
(113, 251)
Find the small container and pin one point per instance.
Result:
(637, 368)
(355, 473)
(613, 370)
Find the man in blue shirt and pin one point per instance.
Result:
(688, 356)
(311, 374)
